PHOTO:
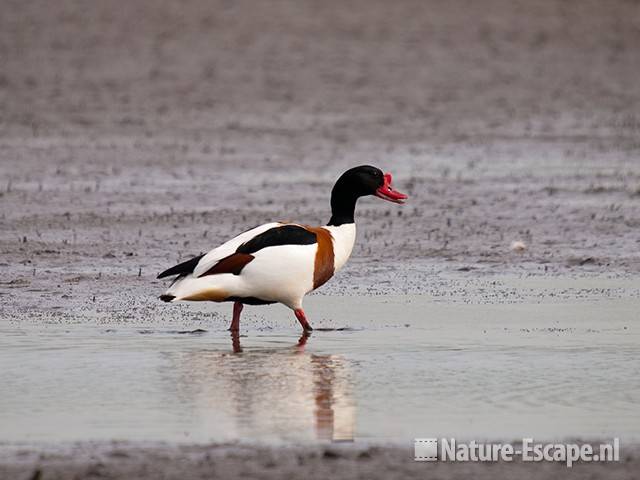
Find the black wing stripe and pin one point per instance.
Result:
(284, 235)
(183, 268)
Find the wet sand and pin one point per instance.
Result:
(122, 460)
(137, 134)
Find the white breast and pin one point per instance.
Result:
(283, 274)
(344, 237)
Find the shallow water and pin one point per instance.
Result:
(376, 369)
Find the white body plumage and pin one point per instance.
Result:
(282, 273)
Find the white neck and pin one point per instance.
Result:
(344, 237)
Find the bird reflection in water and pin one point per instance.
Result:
(334, 420)
(271, 392)
(237, 348)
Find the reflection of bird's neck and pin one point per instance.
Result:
(323, 377)
(235, 341)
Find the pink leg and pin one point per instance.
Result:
(303, 341)
(302, 319)
(235, 323)
(235, 341)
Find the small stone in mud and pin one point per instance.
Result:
(196, 331)
(119, 454)
(518, 246)
(579, 262)
(331, 454)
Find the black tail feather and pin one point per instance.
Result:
(183, 268)
(167, 298)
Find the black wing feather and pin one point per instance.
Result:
(284, 235)
(183, 268)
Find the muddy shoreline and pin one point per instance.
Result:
(122, 460)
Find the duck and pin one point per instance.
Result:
(280, 262)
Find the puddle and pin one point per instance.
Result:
(374, 369)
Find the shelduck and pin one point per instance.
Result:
(281, 262)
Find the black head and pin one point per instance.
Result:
(359, 182)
